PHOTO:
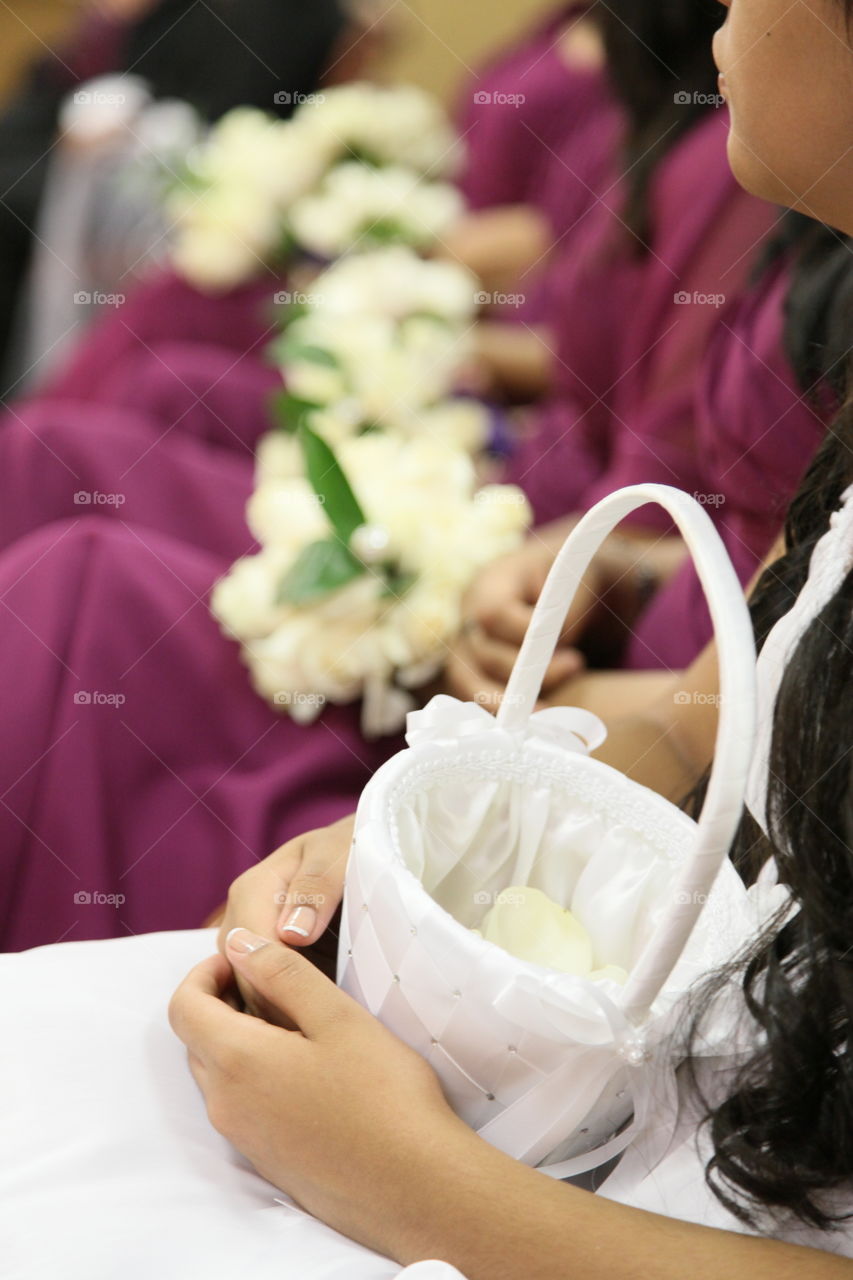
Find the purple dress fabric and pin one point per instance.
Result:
(756, 433)
(538, 131)
(143, 773)
(63, 460)
(161, 799)
(165, 309)
(634, 329)
(543, 133)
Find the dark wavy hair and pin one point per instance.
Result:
(783, 1137)
(660, 68)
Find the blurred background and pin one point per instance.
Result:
(447, 39)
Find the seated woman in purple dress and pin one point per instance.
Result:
(627, 357)
(580, 139)
(136, 625)
(134, 714)
(621, 340)
(540, 126)
(766, 392)
(158, 40)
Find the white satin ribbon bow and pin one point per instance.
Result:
(446, 722)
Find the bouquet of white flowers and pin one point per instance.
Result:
(231, 206)
(378, 347)
(357, 206)
(383, 125)
(358, 587)
(256, 187)
(396, 284)
(378, 374)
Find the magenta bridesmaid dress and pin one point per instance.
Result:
(140, 772)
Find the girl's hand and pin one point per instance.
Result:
(338, 1113)
(293, 894)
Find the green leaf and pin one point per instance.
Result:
(384, 231)
(286, 247)
(292, 352)
(331, 485)
(397, 583)
(323, 567)
(444, 321)
(291, 412)
(361, 155)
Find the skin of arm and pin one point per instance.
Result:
(499, 245)
(661, 725)
(335, 1111)
(513, 360)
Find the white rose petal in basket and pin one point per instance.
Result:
(547, 1066)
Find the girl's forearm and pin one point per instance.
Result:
(495, 1219)
(520, 360)
(641, 741)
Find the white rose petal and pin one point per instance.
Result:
(530, 926)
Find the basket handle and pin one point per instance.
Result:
(736, 727)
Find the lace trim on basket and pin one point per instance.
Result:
(651, 816)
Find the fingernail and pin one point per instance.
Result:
(244, 942)
(301, 922)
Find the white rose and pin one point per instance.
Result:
(354, 199)
(244, 600)
(316, 382)
(397, 283)
(463, 424)
(213, 261)
(286, 514)
(278, 457)
(501, 513)
(391, 124)
(422, 624)
(223, 238)
(273, 160)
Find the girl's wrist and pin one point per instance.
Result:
(418, 1178)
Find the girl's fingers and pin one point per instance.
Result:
(197, 1014)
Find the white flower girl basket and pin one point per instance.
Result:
(547, 1066)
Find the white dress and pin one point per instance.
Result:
(111, 1169)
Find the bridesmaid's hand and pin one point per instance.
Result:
(338, 1113)
(497, 610)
